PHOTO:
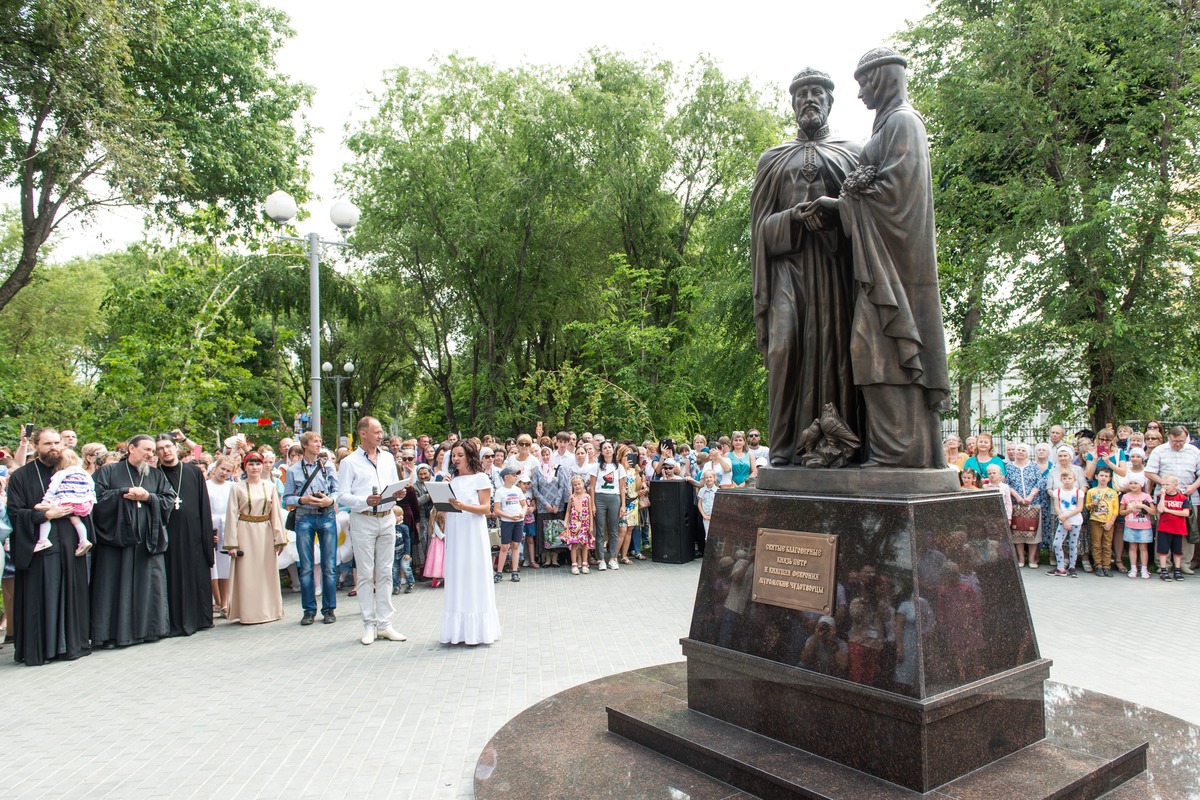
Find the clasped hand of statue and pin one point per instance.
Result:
(807, 212)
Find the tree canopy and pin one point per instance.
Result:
(171, 105)
(548, 234)
(1064, 136)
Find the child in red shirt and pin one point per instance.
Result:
(1173, 510)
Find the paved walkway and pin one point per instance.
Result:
(284, 711)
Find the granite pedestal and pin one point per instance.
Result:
(804, 647)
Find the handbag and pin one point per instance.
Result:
(289, 522)
(1026, 518)
(552, 533)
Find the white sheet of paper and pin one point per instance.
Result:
(387, 503)
(440, 493)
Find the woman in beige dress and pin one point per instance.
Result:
(254, 526)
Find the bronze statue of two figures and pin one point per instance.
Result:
(846, 302)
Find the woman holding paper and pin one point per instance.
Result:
(470, 615)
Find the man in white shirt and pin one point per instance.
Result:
(1182, 460)
(755, 446)
(362, 476)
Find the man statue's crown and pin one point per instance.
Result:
(877, 57)
(810, 75)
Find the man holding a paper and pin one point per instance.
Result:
(369, 486)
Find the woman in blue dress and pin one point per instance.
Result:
(741, 460)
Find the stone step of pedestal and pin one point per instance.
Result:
(771, 770)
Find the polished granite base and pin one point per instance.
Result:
(561, 749)
(857, 480)
(917, 743)
(957, 686)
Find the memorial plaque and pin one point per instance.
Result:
(795, 570)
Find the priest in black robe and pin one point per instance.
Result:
(134, 501)
(50, 597)
(898, 343)
(190, 550)
(803, 292)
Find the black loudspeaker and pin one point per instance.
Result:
(671, 512)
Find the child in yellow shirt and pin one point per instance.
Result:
(1103, 506)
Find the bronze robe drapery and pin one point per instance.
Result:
(898, 345)
(803, 294)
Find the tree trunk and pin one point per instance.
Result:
(18, 279)
(965, 387)
(473, 413)
(1100, 399)
(970, 327)
(495, 375)
(443, 385)
(278, 376)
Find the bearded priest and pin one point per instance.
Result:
(129, 575)
(190, 553)
(50, 598)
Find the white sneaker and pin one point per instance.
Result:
(368, 634)
(392, 635)
(602, 566)
(1133, 572)
(612, 564)
(1145, 572)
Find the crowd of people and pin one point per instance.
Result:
(1127, 494)
(158, 536)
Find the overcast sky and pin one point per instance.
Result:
(343, 48)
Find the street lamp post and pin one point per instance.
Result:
(281, 208)
(348, 368)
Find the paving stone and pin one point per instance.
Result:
(278, 710)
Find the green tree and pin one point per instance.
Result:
(46, 363)
(175, 352)
(171, 105)
(469, 181)
(1077, 121)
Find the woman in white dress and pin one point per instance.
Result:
(470, 615)
(218, 499)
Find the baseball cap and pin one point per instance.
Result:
(504, 473)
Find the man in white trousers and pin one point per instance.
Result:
(362, 477)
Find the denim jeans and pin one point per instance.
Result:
(402, 560)
(324, 527)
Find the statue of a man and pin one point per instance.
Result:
(803, 293)
(898, 345)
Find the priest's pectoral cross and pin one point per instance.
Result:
(178, 502)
